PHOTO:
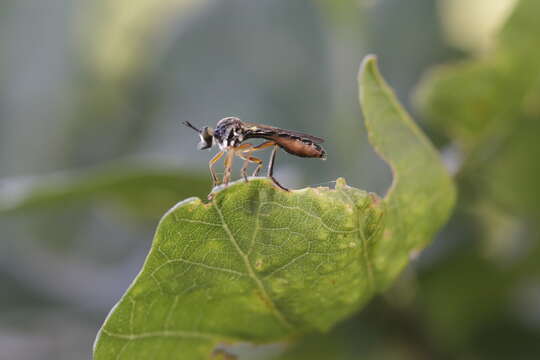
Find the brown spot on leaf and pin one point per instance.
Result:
(375, 199)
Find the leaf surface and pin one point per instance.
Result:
(255, 264)
(258, 264)
(422, 193)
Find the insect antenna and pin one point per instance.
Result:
(189, 125)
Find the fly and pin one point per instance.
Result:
(230, 134)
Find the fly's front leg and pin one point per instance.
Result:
(271, 168)
(215, 180)
(228, 167)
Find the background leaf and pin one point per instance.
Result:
(489, 108)
(143, 189)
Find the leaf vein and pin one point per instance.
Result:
(313, 216)
(277, 313)
(206, 266)
(165, 333)
(196, 221)
(256, 230)
(292, 261)
(363, 240)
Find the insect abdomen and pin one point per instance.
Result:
(299, 147)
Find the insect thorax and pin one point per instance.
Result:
(229, 132)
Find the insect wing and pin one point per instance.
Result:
(302, 135)
(271, 130)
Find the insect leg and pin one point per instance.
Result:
(271, 168)
(257, 169)
(248, 159)
(262, 146)
(243, 171)
(211, 164)
(244, 147)
(228, 167)
(240, 150)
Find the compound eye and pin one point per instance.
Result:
(207, 134)
(206, 138)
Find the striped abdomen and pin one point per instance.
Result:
(298, 146)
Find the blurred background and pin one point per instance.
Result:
(92, 153)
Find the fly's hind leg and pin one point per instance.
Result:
(262, 146)
(271, 168)
(257, 169)
(241, 151)
(247, 159)
(243, 170)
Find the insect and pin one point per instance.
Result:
(231, 132)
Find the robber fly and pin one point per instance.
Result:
(231, 132)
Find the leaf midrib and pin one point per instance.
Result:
(268, 300)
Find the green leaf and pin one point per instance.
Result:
(422, 193)
(261, 265)
(145, 190)
(256, 264)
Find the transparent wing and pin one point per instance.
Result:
(259, 129)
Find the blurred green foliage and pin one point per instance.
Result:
(144, 190)
(87, 83)
(490, 107)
